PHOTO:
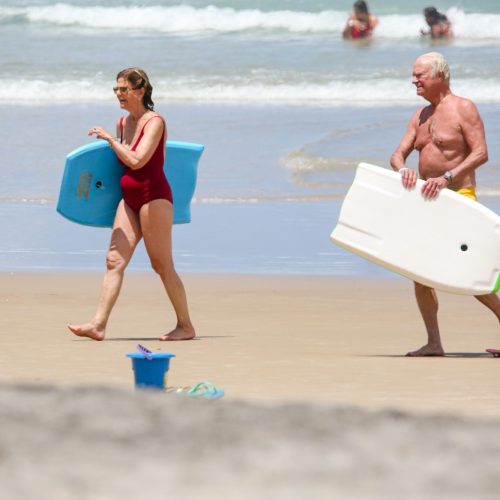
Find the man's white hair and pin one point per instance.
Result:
(438, 64)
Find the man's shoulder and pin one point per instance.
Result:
(463, 104)
(422, 113)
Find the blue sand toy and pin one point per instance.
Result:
(90, 187)
(150, 368)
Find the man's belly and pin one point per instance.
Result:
(433, 165)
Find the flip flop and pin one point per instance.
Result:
(494, 352)
(204, 390)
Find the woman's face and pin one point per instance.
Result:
(361, 16)
(126, 94)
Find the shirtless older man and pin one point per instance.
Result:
(449, 136)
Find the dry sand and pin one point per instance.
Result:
(106, 444)
(320, 401)
(267, 338)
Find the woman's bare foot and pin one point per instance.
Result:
(88, 330)
(427, 350)
(180, 333)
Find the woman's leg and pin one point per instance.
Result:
(156, 223)
(124, 238)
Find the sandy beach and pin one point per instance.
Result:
(261, 338)
(320, 401)
(307, 340)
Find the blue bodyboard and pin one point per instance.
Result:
(90, 187)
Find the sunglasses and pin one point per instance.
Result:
(123, 90)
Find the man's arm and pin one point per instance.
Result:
(474, 136)
(405, 147)
(472, 129)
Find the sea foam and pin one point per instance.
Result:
(354, 92)
(187, 20)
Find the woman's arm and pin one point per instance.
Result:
(152, 133)
(347, 29)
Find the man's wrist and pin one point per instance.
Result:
(448, 177)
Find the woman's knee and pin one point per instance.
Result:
(162, 267)
(115, 261)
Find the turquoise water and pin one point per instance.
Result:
(285, 108)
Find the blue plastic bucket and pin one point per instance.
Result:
(151, 373)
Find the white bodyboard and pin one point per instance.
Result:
(451, 243)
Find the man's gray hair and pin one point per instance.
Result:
(438, 64)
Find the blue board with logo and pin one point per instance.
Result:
(90, 187)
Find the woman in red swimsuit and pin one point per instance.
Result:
(146, 208)
(360, 23)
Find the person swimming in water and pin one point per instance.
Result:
(439, 24)
(360, 23)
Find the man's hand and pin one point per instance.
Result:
(432, 186)
(408, 177)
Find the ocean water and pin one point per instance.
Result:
(240, 50)
(284, 106)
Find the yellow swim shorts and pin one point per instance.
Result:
(469, 192)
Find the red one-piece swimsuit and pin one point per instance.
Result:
(147, 183)
(364, 31)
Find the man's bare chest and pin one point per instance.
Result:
(443, 132)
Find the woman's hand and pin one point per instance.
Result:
(100, 133)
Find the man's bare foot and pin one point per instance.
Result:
(426, 350)
(88, 330)
(180, 333)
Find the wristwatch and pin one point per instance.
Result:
(448, 176)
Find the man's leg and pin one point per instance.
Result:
(428, 305)
(492, 302)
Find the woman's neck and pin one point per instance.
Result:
(138, 113)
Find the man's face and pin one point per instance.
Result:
(422, 78)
